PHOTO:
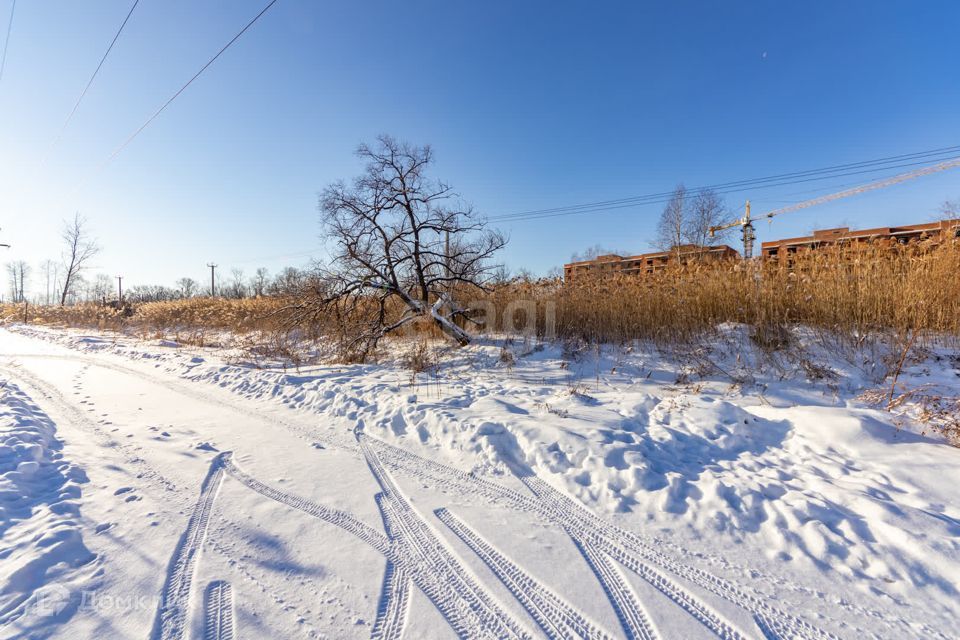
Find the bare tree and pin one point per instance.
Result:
(706, 210)
(672, 228)
(950, 209)
(289, 281)
(258, 284)
(18, 271)
(188, 287)
(50, 272)
(595, 251)
(80, 249)
(79, 290)
(102, 287)
(237, 288)
(401, 245)
(501, 275)
(150, 293)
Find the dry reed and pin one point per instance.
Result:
(851, 290)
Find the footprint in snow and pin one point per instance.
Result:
(206, 446)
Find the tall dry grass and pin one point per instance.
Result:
(868, 303)
(194, 320)
(851, 290)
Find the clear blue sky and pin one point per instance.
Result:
(527, 104)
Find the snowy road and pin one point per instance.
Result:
(169, 507)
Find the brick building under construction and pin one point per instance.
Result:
(647, 263)
(932, 233)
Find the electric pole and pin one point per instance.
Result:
(119, 289)
(213, 267)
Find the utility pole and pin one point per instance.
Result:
(119, 289)
(213, 268)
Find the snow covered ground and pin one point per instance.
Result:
(153, 490)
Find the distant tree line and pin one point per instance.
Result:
(68, 281)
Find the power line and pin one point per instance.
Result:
(855, 184)
(6, 41)
(166, 104)
(93, 77)
(660, 198)
(831, 169)
(868, 166)
(656, 198)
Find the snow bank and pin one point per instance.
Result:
(41, 546)
(728, 444)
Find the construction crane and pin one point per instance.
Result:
(746, 222)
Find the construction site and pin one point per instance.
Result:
(920, 235)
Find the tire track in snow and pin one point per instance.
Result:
(396, 457)
(411, 556)
(556, 617)
(700, 611)
(415, 465)
(633, 618)
(450, 478)
(637, 544)
(218, 621)
(394, 604)
(607, 538)
(458, 481)
(634, 554)
(467, 606)
(339, 518)
(589, 532)
(175, 597)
